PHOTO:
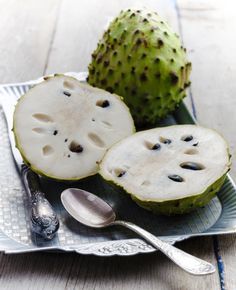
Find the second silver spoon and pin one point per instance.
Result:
(92, 211)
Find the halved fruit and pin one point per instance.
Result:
(169, 170)
(63, 127)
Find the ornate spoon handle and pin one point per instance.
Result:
(184, 260)
(43, 219)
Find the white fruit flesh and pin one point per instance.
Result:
(145, 172)
(63, 127)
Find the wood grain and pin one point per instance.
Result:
(207, 28)
(53, 36)
(71, 271)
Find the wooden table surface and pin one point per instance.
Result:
(40, 37)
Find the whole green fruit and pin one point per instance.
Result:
(141, 59)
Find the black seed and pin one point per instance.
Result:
(133, 92)
(191, 166)
(129, 57)
(68, 155)
(94, 55)
(146, 68)
(157, 59)
(133, 70)
(137, 31)
(187, 138)
(172, 60)
(110, 71)
(119, 63)
(145, 20)
(166, 33)
(185, 49)
(76, 148)
(166, 141)
(66, 140)
(122, 75)
(115, 39)
(143, 55)
(161, 22)
(174, 50)
(93, 119)
(97, 73)
(132, 15)
(143, 77)
(181, 67)
(67, 94)
(105, 104)
(112, 46)
(115, 53)
(125, 45)
(138, 11)
(157, 146)
(106, 63)
(176, 178)
(116, 85)
(174, 78)
(195, 144)
(103, 82)
(138, 41)
(121, 174)
(55, 132)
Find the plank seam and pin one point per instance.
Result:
(52, 38)
(220, 263)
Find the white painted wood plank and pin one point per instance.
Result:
(82, 24)
(71, 271)
(26, 28)
(209, 32)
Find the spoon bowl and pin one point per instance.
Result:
(87, 208)
(92, 211)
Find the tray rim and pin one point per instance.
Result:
(124, 247)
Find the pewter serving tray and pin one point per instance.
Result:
(218, 217)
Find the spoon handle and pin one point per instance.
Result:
(184, 260)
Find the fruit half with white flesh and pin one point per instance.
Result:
(63, 127)
(169, 170)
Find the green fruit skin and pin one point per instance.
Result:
(141, 59)
(184, 205)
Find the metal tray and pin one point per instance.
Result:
(218, 217)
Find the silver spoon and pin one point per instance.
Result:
(92, 211)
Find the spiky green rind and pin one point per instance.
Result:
(185, 205)
(141, 59)
(177, 206)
